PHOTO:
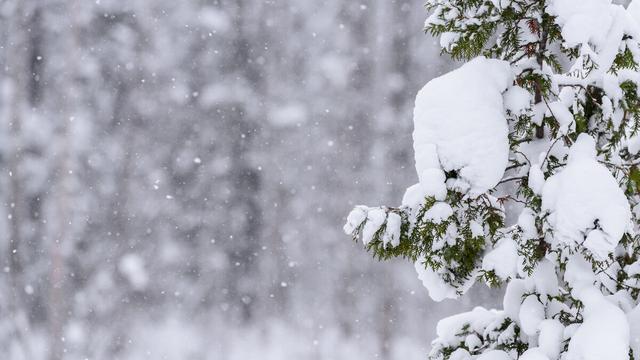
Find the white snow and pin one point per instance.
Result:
(584, 198)
(392, 231)
(545, 279)
(448, 329)
(433, 183)
(503, 259)
(472, 342)
(633, 143)
(578, 272)
(438, 289)
(460, 124)
(596, 23)
(560, 112)
(375, 219)
(527, 223)
(611, 87)
(604, 334)
(460, 127)
(633, 318)
(531, 315)
(447, 39)
(584, 21)
(494, 355)
(460, 354)
(477, 230)
(513, 297)
(551, 337)
(517, 100)
(536, 179)
(438, 212)
(414, 196)
(533, 354)
(634, 10)
(355, 219)
(633, 269)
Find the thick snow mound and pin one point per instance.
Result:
(460, 124)
(604, 334)
(585, 21)
(585, 204)
(598, 23)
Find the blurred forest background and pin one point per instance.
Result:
(175, 177)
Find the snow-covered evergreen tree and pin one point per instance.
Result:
(528, 162)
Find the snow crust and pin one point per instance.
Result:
(460, 126)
